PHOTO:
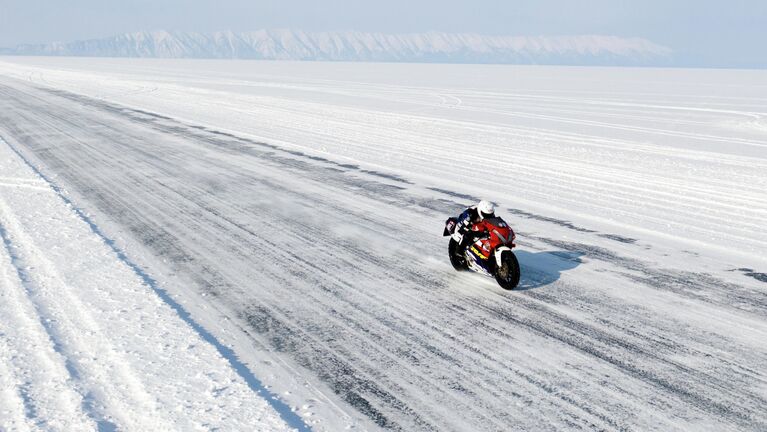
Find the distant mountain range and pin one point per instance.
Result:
(360, 46)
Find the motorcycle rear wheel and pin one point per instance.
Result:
(458, 262)
(507, 275)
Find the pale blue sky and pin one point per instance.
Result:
(717, 33)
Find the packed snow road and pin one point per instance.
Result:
(328, 279)
(86, 345)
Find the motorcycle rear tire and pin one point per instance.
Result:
(458, 262)
(507, 275)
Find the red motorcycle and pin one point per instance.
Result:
(489, 253)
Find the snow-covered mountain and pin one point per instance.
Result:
(360, 46)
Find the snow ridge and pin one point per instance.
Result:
(363, 46)
(111, 392)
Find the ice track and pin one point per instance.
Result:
(305, 259)
(85, 345)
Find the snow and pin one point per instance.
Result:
(686, 150)
(293, 211)
(85, 344)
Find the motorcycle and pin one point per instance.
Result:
(489, 253)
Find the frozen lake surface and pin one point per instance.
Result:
(288, 217)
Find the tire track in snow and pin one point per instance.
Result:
(134, 385)
(54, 301)
(700, 286)
(676, 379)
(71, 409)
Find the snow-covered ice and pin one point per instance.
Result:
(294, 211)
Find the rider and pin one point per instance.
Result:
(472, 215)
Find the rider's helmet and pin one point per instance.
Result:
(485, 209)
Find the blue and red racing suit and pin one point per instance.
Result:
(466, 222)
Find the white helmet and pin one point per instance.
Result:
(486, 209)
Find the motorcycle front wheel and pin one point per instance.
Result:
(507, 274)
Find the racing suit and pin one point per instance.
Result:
(466, 220)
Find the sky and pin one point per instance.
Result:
(703, 33)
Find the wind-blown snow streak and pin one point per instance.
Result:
(360, 46)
